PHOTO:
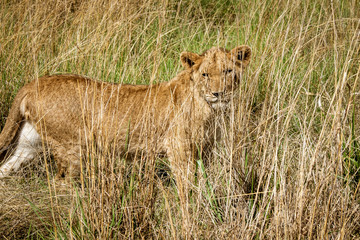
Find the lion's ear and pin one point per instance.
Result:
(189, 59)
(241, 54)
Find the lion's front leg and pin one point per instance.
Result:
(182, 164)
(181, 158)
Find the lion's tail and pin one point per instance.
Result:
(12, 125)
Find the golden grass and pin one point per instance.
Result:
(288, 164)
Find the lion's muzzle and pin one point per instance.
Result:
(217, 100)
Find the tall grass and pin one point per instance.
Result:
(288, 164)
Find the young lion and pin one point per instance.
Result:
(68, 112)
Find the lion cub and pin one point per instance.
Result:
(68, 113)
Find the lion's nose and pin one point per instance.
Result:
(217, 94)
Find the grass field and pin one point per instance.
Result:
(288, 166)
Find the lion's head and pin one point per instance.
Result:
(217, 72)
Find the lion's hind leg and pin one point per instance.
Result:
(67, 157)
(28, 145)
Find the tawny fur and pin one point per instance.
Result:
(69, 112)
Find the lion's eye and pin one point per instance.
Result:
(228, 71)
(205, 75)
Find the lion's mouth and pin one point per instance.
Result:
(211, 99)
(217, 102)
